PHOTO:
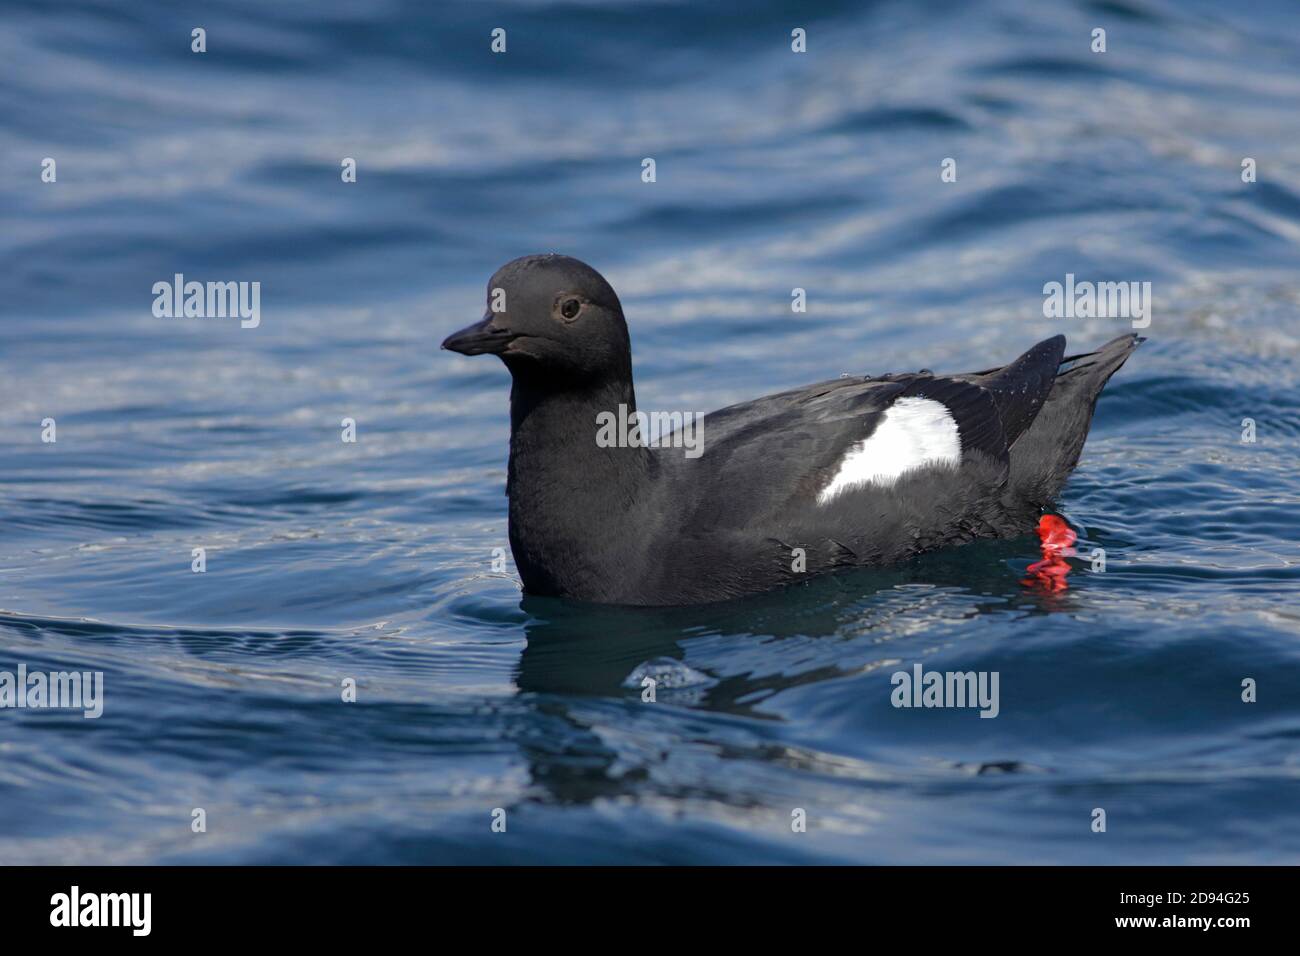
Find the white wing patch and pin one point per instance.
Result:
(914, 432)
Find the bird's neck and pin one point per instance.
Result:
(573, 492)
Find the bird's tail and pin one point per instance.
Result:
(1044, 456)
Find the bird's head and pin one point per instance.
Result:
(553, 319)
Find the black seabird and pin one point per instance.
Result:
(855, 471)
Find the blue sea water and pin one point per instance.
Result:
(373, 560)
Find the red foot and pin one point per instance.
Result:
(1055, 533)
(1056, 537)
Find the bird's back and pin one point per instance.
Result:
(835, 474)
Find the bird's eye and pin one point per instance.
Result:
(569, 308)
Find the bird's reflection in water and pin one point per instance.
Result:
(578, 657)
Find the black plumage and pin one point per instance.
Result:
(651, 526)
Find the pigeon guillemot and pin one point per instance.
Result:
(855, 471)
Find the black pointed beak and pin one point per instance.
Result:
(481, 338)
